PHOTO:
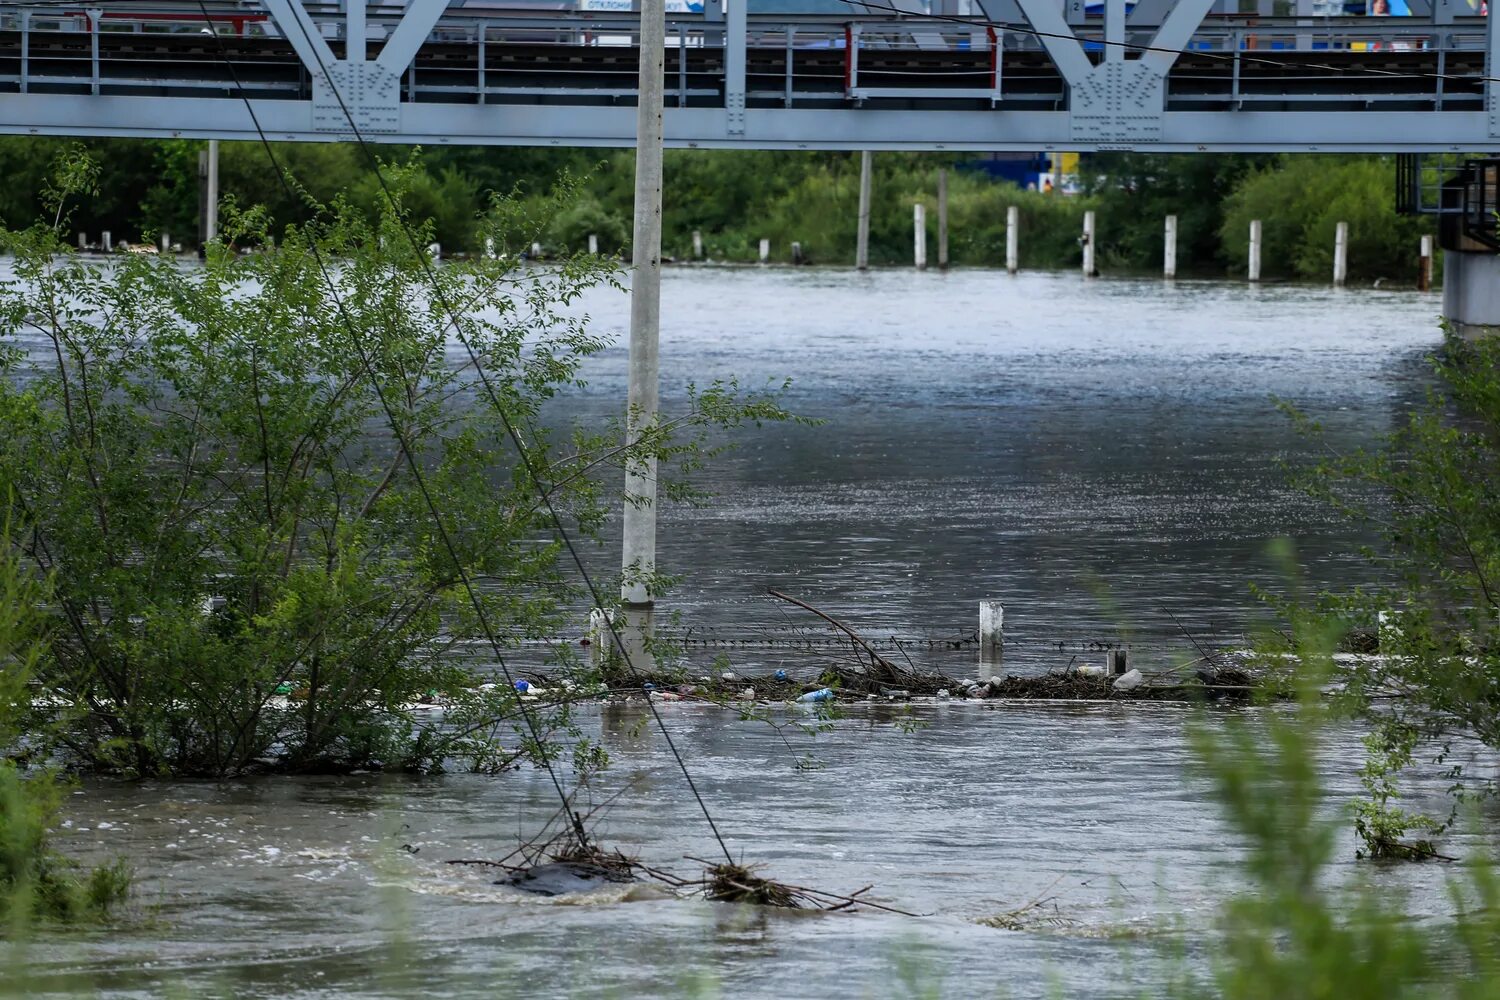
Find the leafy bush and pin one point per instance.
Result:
(1301, 199)
(209, 464)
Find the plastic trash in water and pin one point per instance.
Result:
(522, 686)
(284, 688)
(1129, 681)
(781, 675)
(822, 694)
(649, 686)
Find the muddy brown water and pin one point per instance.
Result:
(1091, 453)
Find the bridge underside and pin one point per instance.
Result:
(1206, 82)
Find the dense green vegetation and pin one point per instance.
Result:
(737, 198)
(228, 477)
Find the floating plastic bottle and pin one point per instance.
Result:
(822, 694)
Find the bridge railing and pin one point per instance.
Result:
(487, 56)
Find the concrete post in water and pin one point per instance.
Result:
(600, 639)
(942, 233)
(1116, 662)
(593, 244)
(1012, 239)
(638, 551)
(1252, 268)
(1424, 266)
(697, 245)
(797, 253)
(991, 635)
(765, 251)
(1340, 254)
(1089, 270)
(83, 241)
(211, 202)
(536, 251)
(166, 242)
(862, 237)
(1169, 249)
(107, 241)
(435, 251)
(919, 235)
(489, 246)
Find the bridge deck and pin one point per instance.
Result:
(1241, 83)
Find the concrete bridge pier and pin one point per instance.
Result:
(1471, 292)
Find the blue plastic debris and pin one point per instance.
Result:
(522, 686)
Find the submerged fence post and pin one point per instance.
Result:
(1424, 266)
(1116, 662)
(1169, 249)
(1252, 268)
(765, 251)
(942, 233)
(1012, 239)
(862, 237)
(1340, 254)
(991, 635)
(697, 244)
(1089, 271)
(919, 235)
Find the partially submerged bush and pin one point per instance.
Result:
(209, 464)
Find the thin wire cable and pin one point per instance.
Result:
(410, 457)
(533, 473)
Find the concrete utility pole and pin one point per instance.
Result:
(862, 240)
(211, 209)
(638, 558)
(942, 233)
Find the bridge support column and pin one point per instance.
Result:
(1471, 291)
(862, 236)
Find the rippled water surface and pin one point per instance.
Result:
(1094, 454)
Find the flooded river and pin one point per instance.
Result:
(1094, 454)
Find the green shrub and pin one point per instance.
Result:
(209, 465)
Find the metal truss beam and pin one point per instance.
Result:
(1017, 131)
(911, 83)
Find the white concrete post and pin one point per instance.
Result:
(489, 246)
(1252, 270)
(1012, 239)
(765, 251)
(107, 241)
(1340, 254)
(1169, 249)
(1424, 266)
(991, 635)
(83, 241)
(1116, 662)
(638, 551)
(593, 243)
(599, 637)
(919, 235)
(796, 252)
(942, 233)
(536, 251)
(166, 242)
(1089, 270)
(211, 203)
(435, 251)
(697, 245)
(862, 236)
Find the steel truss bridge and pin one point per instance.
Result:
(1021, 75)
